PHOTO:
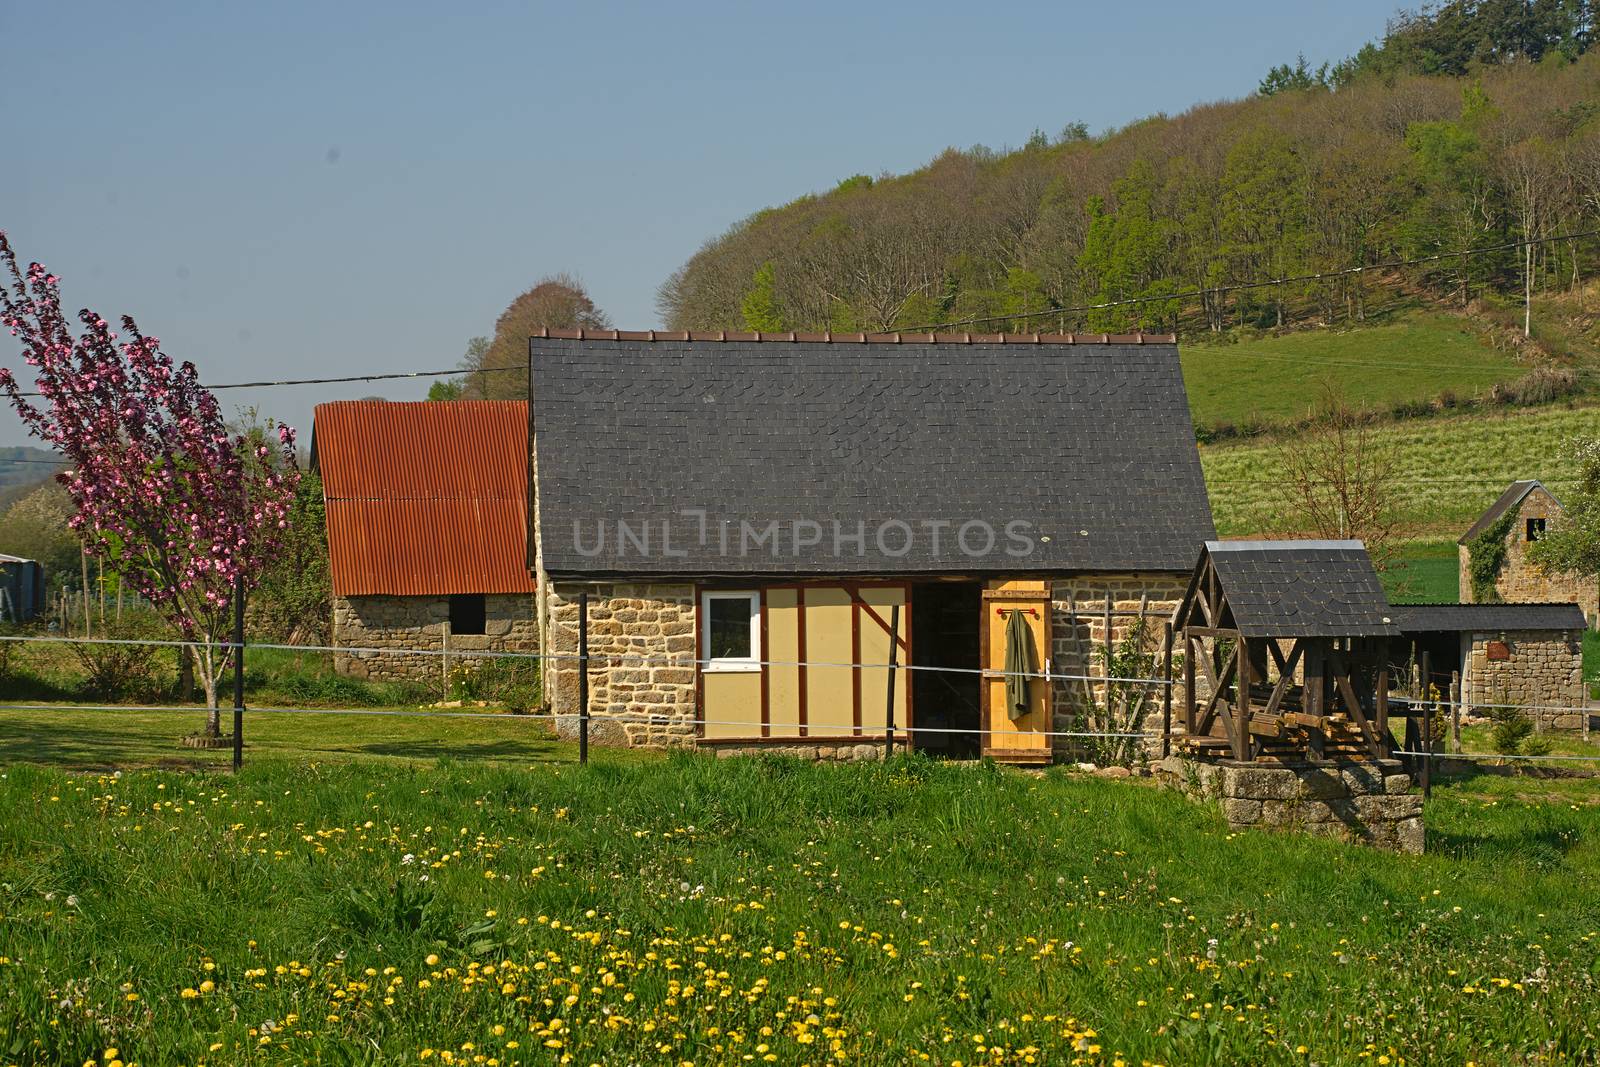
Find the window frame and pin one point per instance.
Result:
(750, 664)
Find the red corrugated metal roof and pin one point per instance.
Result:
(425, 498)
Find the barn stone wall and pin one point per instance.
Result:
(1078, 640)
(642, 670)
(397, 626)
(1520, 581)
(1544, 673)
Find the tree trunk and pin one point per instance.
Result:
(206, 666)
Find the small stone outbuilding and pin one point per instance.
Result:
(1521, 516)
(427, 532)
(1530, 655)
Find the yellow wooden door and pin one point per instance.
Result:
(1027, 739)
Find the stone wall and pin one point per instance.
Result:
(400, 625)
(1545, 672)
(843, 751)
(1368, 803)
(1078, 640)
(642, 674)
(1520, 581)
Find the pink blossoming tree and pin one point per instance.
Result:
(174, 503)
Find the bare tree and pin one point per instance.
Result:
(1338, 480)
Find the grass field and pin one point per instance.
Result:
(1278, 379)
(1450, 469)
(369, 908)
(1427, 572)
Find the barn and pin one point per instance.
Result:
(1518, 518)
(759, 522)
(426, 516)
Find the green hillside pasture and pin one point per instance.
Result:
(705, 911)
(1449, 469)
(1281, 379)
(1427, 572)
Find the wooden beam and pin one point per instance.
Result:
(1216, 702)
(856, 599)
(1241, 720)
(1285, 676)
(1212, 631)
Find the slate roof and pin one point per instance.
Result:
(1301, 588)
(1511, 498)
(1435, 618)
(1085, 442)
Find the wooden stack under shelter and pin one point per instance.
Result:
(1283, 650)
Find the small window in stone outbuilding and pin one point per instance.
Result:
(467, 613)
(1535, 529)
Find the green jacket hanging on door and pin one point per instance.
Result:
(1020, 660)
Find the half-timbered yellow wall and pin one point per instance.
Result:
(827, 627)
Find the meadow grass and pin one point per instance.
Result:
(1280, 379)
(1426, 572)
(1448, 470)
(695, 910)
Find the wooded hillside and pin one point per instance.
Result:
(1321, 171)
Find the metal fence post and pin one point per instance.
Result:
(238, 673)
(583, 677)
(1166, 690)
(894, 648)
(1428, 708)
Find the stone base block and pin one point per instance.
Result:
(1369, 803)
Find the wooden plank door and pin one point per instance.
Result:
(1008, 740)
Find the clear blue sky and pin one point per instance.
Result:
(292, 190)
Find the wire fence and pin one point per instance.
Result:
(887, 733)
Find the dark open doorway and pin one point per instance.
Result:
(944, 633)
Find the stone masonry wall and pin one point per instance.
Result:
(642, 673)
(399, 625)
(1545, 668)
(1521, 582)
(1078, 639)
(1367, 803)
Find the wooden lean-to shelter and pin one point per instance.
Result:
(1284, 653)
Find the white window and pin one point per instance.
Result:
(730, 631)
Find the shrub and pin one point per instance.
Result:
(1512, 730)
(116, 672)
(1539, 386)
(514, 682)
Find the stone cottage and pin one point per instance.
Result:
(1522, 515)
(762, 521)
(427, 532)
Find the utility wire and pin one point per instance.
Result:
(1128, 301)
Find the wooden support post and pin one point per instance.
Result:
(894, 649)
(1166, 690)
(444, 661)
(583, 677)
(1455, 714)
(1381, 700)
(1241, 707)
(1188, 685)
(1427, 725)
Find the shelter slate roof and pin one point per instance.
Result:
(1426, 618)
(1301, 588)
(1084, 442)
(1511, 498)
(426, 498)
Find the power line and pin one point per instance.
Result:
(1345, 272)
(1236, 287)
